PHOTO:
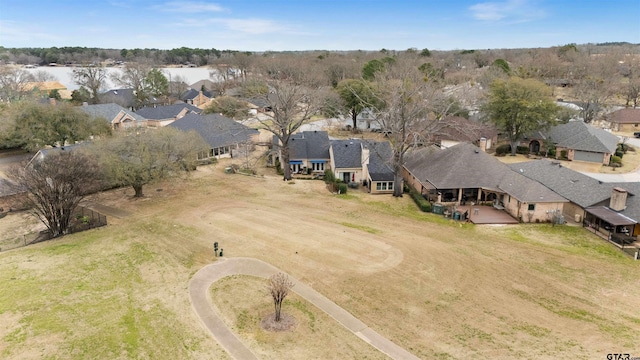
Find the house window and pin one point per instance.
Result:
(318, 166)
(383, 185)
(636, 125)
(531, 207)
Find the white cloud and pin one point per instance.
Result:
(252, 26)
(247, 26)
(509, 10)
(191, 7)
(13, 32)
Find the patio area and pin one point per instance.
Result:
(479, 215)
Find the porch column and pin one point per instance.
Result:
(479, 196)
(459, 195)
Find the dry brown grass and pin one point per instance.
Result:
(438, 288)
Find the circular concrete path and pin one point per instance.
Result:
(201, 302)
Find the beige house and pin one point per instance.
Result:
(464, 174)
(623, 120)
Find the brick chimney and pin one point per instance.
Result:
(618, 201)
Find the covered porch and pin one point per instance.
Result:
(610, 225)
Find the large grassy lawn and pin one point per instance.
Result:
(438, 288)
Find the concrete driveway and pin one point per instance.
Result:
(633, 176)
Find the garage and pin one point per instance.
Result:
(588, 156)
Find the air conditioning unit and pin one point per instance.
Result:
(578, 218)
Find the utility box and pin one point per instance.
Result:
(437, 209)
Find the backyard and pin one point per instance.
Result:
(438, 288)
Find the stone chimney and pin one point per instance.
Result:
(365, 155)
(483, 144)
(618, 200)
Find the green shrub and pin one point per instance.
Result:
(615, 160)
(422, 203)
(623, 147)
(619, 153)
(342, 188)
(523, 150)
(279, 170)
(329, 176)
(503, 149)
(563, 154)
(551, 153)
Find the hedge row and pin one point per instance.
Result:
(422, 203)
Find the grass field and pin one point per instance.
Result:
(438, 288)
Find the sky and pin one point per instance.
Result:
(262, 25)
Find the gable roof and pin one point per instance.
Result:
(465, 166)
(109, 111)
(208, 85)
(193, 93)
(215, 129)
(578, 135)
(578, 188)
(124, 97)
(166, 112)
(309, 145)
(347, 153)
(625, 116)
(380, 157)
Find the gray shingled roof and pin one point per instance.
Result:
(193, 93)
(347, 153)
(465, 166)
(309, 145)
(580, 136)
(166, 112)
(215, 129)
(109, 111)
(124, 97)
(578, 188)
(380, 160)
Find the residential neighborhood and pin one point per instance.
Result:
(164, 198)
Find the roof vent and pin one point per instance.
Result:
(477, 151)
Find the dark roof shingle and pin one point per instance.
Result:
(215, 129)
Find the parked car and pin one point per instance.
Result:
(637, 134)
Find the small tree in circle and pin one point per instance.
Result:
(279, 286)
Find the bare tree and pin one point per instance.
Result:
(278, 286)
(92, 78)
(13, 83)
(55, 186)
(291, 106)
(134, 76)
(410, 111)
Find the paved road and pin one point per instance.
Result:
(199, 293)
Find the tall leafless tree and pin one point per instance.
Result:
(56, 184)
(13, 83)
(411, 111)
(278, 286)
(92, 78)
(291, 107)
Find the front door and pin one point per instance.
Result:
(346, 177)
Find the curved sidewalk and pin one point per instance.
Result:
(201, 302)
